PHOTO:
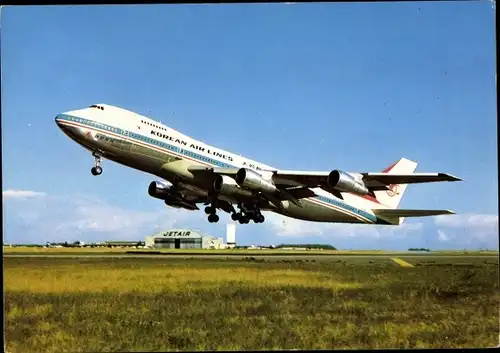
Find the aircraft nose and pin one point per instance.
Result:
(61, 123)
(65, 122)
(58, 120)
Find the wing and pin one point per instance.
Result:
(371, 180)
(300, 178)
(209, 171)
(294, 185)
(376, 180)
(292, 193)
(399, 173)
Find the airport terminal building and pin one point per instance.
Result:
(183, 239)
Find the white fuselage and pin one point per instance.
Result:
(147, 145)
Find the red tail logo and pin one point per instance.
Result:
(393, 190)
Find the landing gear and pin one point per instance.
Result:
(240, 217)
(96, 169)
(211, 211)
(247, 214)
(244, 216)
(213, 218)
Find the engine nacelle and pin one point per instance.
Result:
(249, 179)
(165, 191)
(160, 190)
(229, 187)
(181, 203)
(346, 183)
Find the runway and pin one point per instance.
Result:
(352, 258)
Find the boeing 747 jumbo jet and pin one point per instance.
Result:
(193, 172)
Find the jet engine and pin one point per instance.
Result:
(160, 190)
(344, 182)
(249, 179)
(165, 191)
(229, 187)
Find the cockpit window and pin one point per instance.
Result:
(97, 106)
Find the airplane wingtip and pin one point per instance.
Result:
(450, 177)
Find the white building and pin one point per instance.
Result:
(183, 239)
(231, 235)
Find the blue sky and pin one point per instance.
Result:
(320, 86)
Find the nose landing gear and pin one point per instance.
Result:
(96, 169)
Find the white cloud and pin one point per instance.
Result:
(442, 235)
(285, 226)
(470, 229)
(111, 219)
(468, 220)
(20, 194)
(87, 218)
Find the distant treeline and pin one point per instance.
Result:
(24, 245)
(418, 249)
(307, 246)
(65, 244)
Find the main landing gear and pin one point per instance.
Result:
(212, 215)
(211, 210)
(244, 216)
(247, 214)
(96, 169)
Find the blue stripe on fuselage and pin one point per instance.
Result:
(201, 159)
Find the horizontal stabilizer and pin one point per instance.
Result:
(410, 213)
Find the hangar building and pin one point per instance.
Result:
(184, 239)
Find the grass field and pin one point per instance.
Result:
(129, 304)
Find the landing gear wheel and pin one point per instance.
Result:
(96, 170)
(235, 217)
(259, 219)
(244, 220)
(209, 210)
(213, 218)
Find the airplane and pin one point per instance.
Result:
(193, 173)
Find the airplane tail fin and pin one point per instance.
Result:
(392, 197)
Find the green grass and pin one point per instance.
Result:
(89, 304)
